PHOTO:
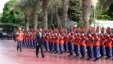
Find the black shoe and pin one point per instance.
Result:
(17, 49)
(60, 52)
(55, 52)
(69, 55)
(107, 58)
(76, 56)
(65, 51)
(81, 57)
(37, 56)
(51, 51)
(96, 59)
(88, 58)
(43, 56)
(20, 50)
(101, 57)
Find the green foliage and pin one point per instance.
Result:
(103, 14)
(17, 16)
(110, 12)
(12, 16)
(80, 23)
(74, 12)
(9, 28)
(0, 17)
(105, 4)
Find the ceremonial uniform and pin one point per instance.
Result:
(102, 45)
(19, 39)
(27, 39)
(96, 47)
(65, 43)
(50, 42)
(82, 45)
(108, 46)
(89, 44)
(24, 40)
(70, 40)
(56, 41)
(76, 44)
(61, 43)
(33, 39)
(46, 37)
(112, 46)
(30, 39)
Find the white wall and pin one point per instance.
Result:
(104, 23)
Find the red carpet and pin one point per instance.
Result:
(9, 55)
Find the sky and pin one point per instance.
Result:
(2, 2)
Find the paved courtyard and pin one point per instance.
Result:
(9, 55)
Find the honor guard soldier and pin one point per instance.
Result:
(102, 43)
(46, 41)
(70, 40)
(61, 43)
(112, 45)
(96, 47)
(65, 42)
(56, 41)
(82, 45)
(19, 39)
(76, 44)
(50, 42)
(108, 44)
(33, 38)
(89, 44)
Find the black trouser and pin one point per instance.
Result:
(76, 50)
(45, 44)
(70, 48)
(19, 45)
(109, 51)
(65, 46)
(102, 50)
(51, 46)
(90, 51)
(1, 36)
(37, 50)
(55, 47)
(82, 50)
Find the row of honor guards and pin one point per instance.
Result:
(76, 42)
(28, 38)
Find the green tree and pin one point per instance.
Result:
(104, 14)
(10, 16)
(54, 13)
(35, 12)
(30, 8)
(45, 13)
(110, 12)
(64, 15)
(0, 16)
(86, 6)
(74, 12)
(105, 4)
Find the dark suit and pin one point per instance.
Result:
(0, 35)
(39, 37)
